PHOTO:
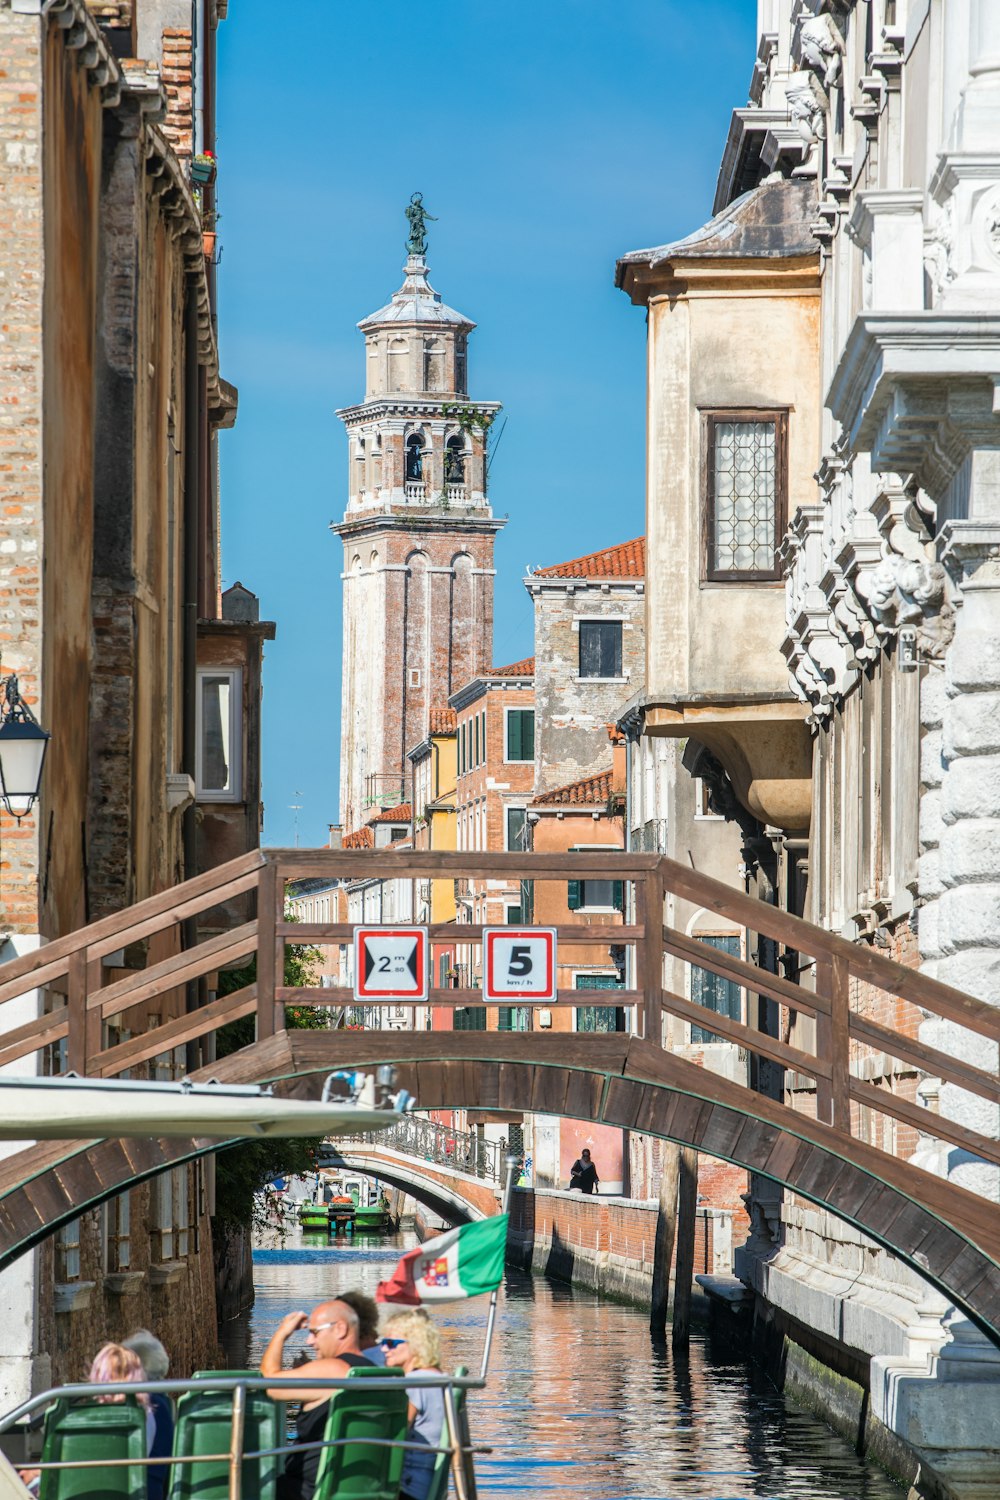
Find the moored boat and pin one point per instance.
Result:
(314, 1216)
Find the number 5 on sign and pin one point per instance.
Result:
(519, 963)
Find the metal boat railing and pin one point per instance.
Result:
(458, 1445)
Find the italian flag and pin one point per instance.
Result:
(464, 1262)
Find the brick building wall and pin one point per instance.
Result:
(418, 623)
(604, 1243)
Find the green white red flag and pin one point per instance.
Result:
(463, 1262)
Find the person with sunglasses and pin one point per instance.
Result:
(411, 1344)
(332, 1331)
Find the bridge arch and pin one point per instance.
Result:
(450, 1195)
(950, 1237)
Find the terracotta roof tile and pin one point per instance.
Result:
(591, 791)
(525, 668)
(361, 838)
(442, 721)
(627, 560)
(399, 814)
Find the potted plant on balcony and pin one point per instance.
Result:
(203, 167)
(209, 224)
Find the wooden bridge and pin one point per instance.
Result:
(826, 1034)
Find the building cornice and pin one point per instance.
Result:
(442, 523)
(487, 683)
(918, 390)
(412, 406)
(536, 586)
(82, 34)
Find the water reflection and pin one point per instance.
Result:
(580, 1404)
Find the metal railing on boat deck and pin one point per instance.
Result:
(458, 1445)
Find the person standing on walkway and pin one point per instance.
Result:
(332, 1330)
(583, 1174)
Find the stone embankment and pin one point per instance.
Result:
(605, 1243)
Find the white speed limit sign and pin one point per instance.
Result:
(519, 963)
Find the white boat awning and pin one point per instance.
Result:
(65, 1109)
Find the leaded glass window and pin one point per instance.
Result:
(745, 500)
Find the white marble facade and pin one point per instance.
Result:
(893, 573)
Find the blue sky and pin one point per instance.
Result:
(547, 139)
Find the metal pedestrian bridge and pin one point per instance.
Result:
(825, 1034)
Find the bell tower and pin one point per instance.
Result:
(418, 536)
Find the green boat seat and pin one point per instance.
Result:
(82, 1430)
(204, 1425)
(358, 1469)
(442, 1461)
(223, 1374)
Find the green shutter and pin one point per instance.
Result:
(618, 895)
(575, 896)
(528, 734)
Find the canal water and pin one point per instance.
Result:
(579, 1405)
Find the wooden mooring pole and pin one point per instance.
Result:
(663, 1246)
(687, 1213)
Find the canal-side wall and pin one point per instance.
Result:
(604, 1243)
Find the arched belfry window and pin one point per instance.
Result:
(454, 461)
(414, 458)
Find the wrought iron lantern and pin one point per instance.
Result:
(23, 743)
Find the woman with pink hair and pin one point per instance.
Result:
(112, 1365)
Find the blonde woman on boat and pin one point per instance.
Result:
(411, 1343)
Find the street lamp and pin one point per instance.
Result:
(23, 743)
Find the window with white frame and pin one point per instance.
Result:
(219, 728)
(601, 648)
(595, 894)
(519, 734)
(515, 829)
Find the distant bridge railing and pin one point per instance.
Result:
(429, 1141)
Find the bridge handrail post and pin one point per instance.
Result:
(268, 974)
(77, 1035)
(651, 894)
(833, 1042)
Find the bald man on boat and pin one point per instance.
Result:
(332, 1333)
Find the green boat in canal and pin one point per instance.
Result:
(314, 1217)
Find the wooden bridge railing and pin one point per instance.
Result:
(833, 1039)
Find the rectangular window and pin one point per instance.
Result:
(514, 1018)
(599, 895)
(599, 1017)
(745, 494)
(219, 728)
(482, 739)
(118, 1234)
(724, 996)
(469, 1018)
(68, 1252)
(475, 727)
(520, 734)
(512, 915)
(516, 829)
(600, 648)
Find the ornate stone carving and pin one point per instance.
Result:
(806, 109)
(821, 48)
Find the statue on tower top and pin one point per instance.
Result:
(417, 215)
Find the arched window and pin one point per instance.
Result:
(414, 458)
(454, 461)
